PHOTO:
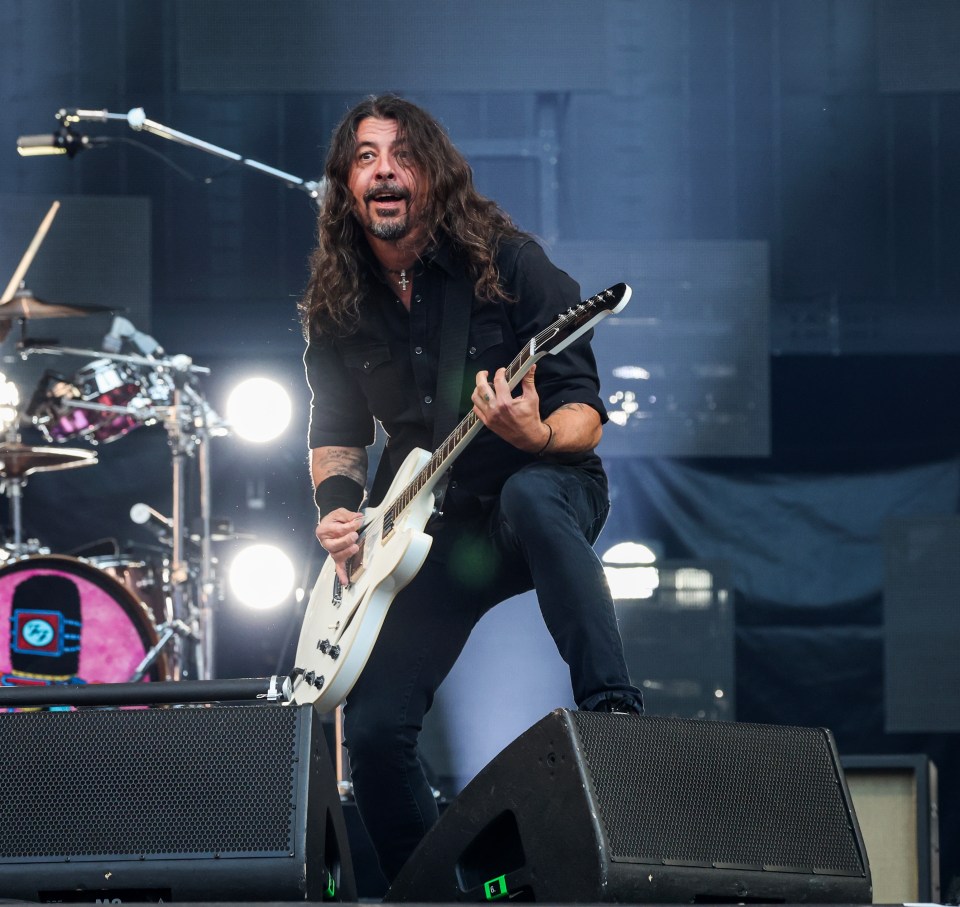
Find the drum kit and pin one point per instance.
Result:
(70, 620)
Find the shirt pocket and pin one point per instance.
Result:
(366, 358)
(384, 384)
(484, 339)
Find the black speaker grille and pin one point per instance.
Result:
(718, 794)
(173, 782)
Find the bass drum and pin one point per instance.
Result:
(143, 579)
(65, 621)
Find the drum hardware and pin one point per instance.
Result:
(124, 391)
(167, 632)
(17, 461)
(108, 397)
(115, 393)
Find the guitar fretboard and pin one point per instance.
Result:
(447, 452)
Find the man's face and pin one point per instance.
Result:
(384, 183)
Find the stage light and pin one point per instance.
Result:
(9, 403)
(630, 575)
(631, 553)
(261, 577)
(258, 410)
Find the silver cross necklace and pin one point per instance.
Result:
(402, 279)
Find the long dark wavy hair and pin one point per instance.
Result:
(475, 225)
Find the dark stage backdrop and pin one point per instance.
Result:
(779, 179)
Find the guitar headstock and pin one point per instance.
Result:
(578, 319)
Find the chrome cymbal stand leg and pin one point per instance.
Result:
(207, 591)
(188, 434)
(183, 609)
(14, 491)
(174, 628)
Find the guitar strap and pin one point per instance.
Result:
(454, 331)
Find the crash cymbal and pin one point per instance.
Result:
(20, 460)
(23, 304)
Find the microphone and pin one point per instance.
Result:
(63, 141)
(145, 515)
(123, 329)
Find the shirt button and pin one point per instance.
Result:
(428, 399)
(418, 350)
(417, 298)
(366, 366)
(472, 351)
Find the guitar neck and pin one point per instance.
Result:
(453, 445)
(567, 328)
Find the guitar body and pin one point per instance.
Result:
(348, 619)
(341, 625)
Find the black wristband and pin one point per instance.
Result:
(337, 491)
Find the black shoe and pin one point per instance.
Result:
(619, 705)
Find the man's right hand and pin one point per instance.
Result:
(338, 533)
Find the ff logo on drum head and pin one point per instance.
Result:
(66, 621)
(44, 633)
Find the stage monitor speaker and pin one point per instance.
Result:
(173, 804)
(588, 807)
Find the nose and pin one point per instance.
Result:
(385, 168)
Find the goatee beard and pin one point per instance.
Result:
(389, 231)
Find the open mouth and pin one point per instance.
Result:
(387, 196)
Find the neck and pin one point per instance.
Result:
(397, 255)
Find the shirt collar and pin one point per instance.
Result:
(441, 254)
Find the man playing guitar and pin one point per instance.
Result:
(403, 237)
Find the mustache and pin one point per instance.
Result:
(387, 188)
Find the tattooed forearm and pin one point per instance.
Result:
(576, 407)
(338, 461)
(576, 428)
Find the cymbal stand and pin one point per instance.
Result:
(189, 423)
(188, 429)
(167, 632)
(14, 491)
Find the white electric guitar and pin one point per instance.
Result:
(342, 622)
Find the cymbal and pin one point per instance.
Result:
(20, 460)
(23, 304)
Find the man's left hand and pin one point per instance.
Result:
(515, 419)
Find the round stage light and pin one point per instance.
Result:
(258, 410)
(261, 577)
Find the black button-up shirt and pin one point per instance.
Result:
(387, 370)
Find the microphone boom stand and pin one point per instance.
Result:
(137, 120)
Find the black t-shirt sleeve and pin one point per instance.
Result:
(339, 415)
(543, 292)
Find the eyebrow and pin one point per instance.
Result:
(366, 143)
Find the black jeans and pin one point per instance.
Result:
(539, 534)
